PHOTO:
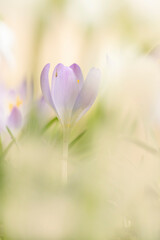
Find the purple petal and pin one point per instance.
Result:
(12, 93)
(45, 86)
(77, 71)
(23, 89)
(15, 118)
(43, 109)
(87, 94)
(64, 91)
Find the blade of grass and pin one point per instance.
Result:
(7, 148)
(1, 146)
(145, 146)
(12, 136)
(77, 139)
(49, 124)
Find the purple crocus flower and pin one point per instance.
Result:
(16, 106)
(12, 105)
(70, 96)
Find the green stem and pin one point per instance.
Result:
(65, 155)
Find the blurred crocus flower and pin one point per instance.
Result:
(12, 106)
(70, 96)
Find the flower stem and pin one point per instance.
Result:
(65, 156)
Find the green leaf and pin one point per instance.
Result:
(77, 139)
(49, 124)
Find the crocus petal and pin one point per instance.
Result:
(43, 109)
(87, 94)
(45, 86)
(12, 94)
(64, 92)
(23, 90)
(77, 71)
(15, 118)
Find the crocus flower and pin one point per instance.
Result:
(69, 95)
(12, 105)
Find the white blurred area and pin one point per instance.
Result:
(7, 39)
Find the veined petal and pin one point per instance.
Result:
(77, 71)
(87, 94)
(45, 86)
(15, 118)
(56, 75)
(65, 90)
